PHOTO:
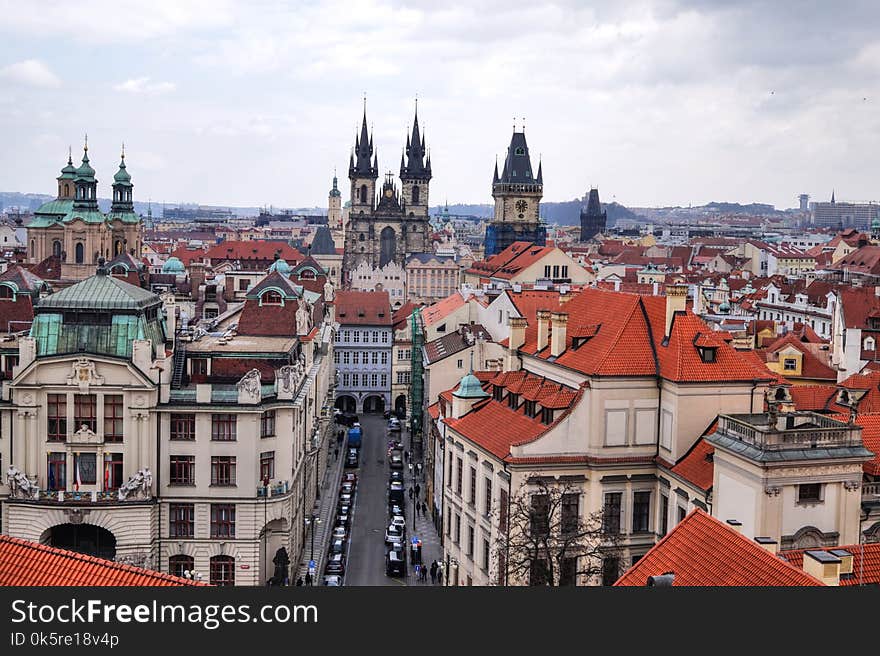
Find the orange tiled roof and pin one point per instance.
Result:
(696, 465)
(257, 249)
(866, 562)
(703, 551)
(870, 423)
(812, 397)
(363, 308)
(510, 261)
(441, 309)
(25, 563)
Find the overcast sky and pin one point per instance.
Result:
(251, 103)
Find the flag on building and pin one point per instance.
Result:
(78, 479)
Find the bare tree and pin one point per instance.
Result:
(544, 537)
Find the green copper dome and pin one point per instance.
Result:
(173, 265)
(69, 171)
(85, 171)
(875, 224)
(281, 266)
(470, 388)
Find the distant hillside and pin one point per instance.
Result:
(563, 213)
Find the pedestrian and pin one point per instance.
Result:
(410, 493)
(418, 489)
(434, 572)
(336, 453)
(440, 575)
(410, 468)
(299, 580)
(424, 509)
(406, 455)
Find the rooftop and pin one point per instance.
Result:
(363, 308)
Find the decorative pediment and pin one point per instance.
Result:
(84, 374)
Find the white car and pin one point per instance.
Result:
(399, 522)
(394, 424)
(394, 535)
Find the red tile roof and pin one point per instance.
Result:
(402, 314)
(857, 304)
(442, 309)
(866, 562)
(25, 563)
(513, 259)
(870, 423)
(696, 465)
(812, 397)
(258, 249)
(703, 551)
(864, 260)
(812, 365)
(355, 308)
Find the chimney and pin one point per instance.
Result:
(823, 565)
(543, 328)
(517, 327)
(617, 285)
(769, 544)
(846, 560)
(557, 335)
(676, 300)
(736, 525)
(565, 297)
(665, 580)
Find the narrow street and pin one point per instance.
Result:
(366, 551)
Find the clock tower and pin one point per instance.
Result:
(517, 193)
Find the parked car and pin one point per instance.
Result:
(346, 419)
(394, 424)
(394, 535)
(333, 580)
(395, 508)
(348, 488)
(351, 458)
(337, 546)
(343, 519)
(344, 498)
(343, 509)
(396, 462)
(339, 533)
(350, 477)
(395, 563)
(399, 522)
(395, 492)
(395, 476)
(335, 564)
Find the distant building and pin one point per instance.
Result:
(517, 193)
(593, 218)
(430, 278)
(844, 215)
(804, 200)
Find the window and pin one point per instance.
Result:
(222, 570)
(449, 474)
(611, 512)
(375, 337)
(486, 555)
(6, 293)
(85, 411)
(183, 470)
(459, 466)
(223, 471)
(355, 357)
(223, 428)
(183, 426)
(870, 344)
(356, 380)
(85, 467)
(267, 465)
(610, 570)
(415, 195)
(664, 514)
(181, 520)
(267, 423)
(271, 297)
(488, 498)
(345, 380)
(473, 487)
(555, 271)
(335, 357)
(789, 364)
(707, 353)
(112, 417)
(530, 408)
(459, 363)
(383, 383)
(222, 520)
(448, 523)
(513, 400)
(546, 416)
(539, 517)
(502, 510)
(682, 513)
(56, 413)
(113, 468)
(546, 270)
(346, 357)
(569, 517)
(357, 337)
(497, 392)
(179, 564)
(568, 571)
(199, 366)
(384, 338)
(457, 528)
(375, 358)
(470, 541)
(810, 493)
(10, 360)
(403, 378)
(641, 511)
(243, 284)
(79, 252)
(384, 357)
(565, 271)
(57, 471)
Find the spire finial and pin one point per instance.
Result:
(70, 155)
(86, 144)
(123, 152)
(471, 372)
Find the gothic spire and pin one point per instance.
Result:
(416, 167)
(540, 178)
(360, 166)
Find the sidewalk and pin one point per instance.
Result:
(424, 528)
(325, 507)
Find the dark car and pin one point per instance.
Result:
(395, 476)
(337, 546)
(335, 564)
(395, 562)
(347, 488)
(343, 509)
(396, 461)
(333, 580)
(351, 458)
(346, 419)
(395, 492)
(395, 508)
(350, 477)
(339, 533)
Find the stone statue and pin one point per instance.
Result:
(140, 484)
(329, 290)
(20, 486)
(250, 383)
(287, 374)
(303, 314)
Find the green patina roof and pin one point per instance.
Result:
(125, 217)
(54, 207)
(470, 388)
(85, 170)
(281, 266)
(89, 216)
(173, 265)
(69, 171)
(122, 176)
(100, 292)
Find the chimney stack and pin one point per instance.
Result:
(769, 544)
(676, 301)
(736, 525)
(543, 328)
(517, 327)
(557, 335)
(823, 565)
(846, 560)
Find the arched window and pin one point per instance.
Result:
(415, 195)
(363, 193)
(56, 248)
(117, 247)
(271, 297)
(6, 293)
(79, 253)
(33, 248)
(66, 189)
(222, 570)
(179, 564)
(361, 237)
(870, 344)
(520, 151)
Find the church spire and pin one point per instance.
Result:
(415, 167)
(360, 164)
(540, 178)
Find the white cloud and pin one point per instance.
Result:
(31, 72)
(143, 86)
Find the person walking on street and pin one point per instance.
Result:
(434, 572)
(299, 580)
(308, 578)
(410, 493)
(440, 575)
(424, 509)
(336, 453)
(406, 456)
(418, 489)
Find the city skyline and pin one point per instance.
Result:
(224, 105)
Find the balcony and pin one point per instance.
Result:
(274, 490)
(62, 497)
(788, 436)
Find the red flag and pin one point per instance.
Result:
(77, 481)
(106, 476)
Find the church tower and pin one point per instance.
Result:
(415, 172)
(363, 170)
(593, 218)
(66, 188)
(334, 211)
(517, 193)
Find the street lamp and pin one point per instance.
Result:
(311, 520)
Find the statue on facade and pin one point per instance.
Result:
(250, 383)
(303, 316)
(329, 291)
(20, 487)
(141, 485)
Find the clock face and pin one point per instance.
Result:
(388, 193)
(521, 206)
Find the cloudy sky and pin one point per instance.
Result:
(251, 103)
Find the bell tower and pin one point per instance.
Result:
(334, 206)
(363, 170)
(415, 172)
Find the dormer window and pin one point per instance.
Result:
(531, 408)
(513, 400)
(546, 416)
(6, 293)
(497, 391)
(869, 344)
(271, 298)
(520, 151)
(707, 353)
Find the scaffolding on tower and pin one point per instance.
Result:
(416, 381)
